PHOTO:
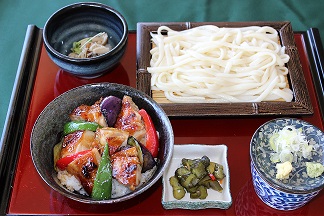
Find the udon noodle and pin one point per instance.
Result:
(212, 64)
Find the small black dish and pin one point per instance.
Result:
(81, 20)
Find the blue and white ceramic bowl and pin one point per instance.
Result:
(278, 199)
(298, 189)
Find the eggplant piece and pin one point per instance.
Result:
(110, 107)
(145, 156)
(148, 159)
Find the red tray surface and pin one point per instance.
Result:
(31, 195)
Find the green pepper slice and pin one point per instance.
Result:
(73, 126)
(103, 181)
(133, 142)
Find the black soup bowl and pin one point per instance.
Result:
(77, 21)
(50, 122)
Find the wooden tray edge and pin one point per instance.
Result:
(300, 106)
(17, 112)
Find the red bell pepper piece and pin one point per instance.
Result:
(152, 140)
(63, 162)
(212, 177)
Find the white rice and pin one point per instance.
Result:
(70, 182)
(73, 184)
(119, 190)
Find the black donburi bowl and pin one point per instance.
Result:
(51, 120)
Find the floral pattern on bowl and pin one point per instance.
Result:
(278, 199)
(216, 153)
(298, 181)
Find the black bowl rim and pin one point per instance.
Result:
(128, 196)
(278, 187)
(66, 58)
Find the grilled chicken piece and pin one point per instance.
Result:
(127, 151)
(76, 142)
(115, 138)
(85, 168)
(126, 168)
(89, 113)
(130, 120)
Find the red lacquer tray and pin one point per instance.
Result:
(40, 81)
